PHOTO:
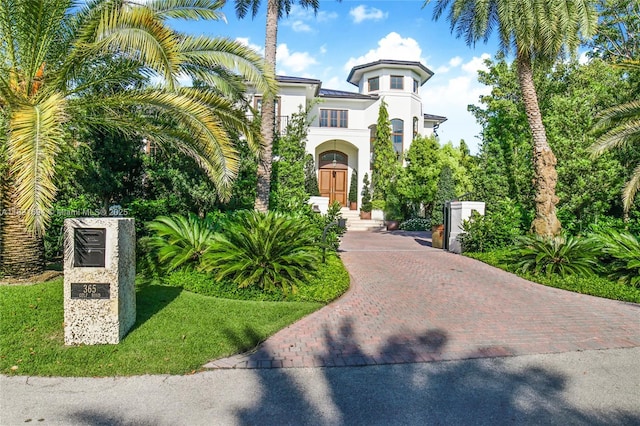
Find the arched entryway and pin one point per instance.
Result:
(333, 173)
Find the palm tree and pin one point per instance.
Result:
(52, 79)
(623, 124)
(534, 29)
(276, 9)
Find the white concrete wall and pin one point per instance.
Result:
(461, 211)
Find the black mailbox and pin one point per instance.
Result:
(90, 245)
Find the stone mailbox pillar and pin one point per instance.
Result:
(99, 280)
(460, 211)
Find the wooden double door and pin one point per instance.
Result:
(333, 184)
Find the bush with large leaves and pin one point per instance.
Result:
(622, 256)
(562, 255)
(269, 250)
(179, 242)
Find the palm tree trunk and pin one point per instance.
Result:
(545, 222)
(268, 111)
(21, 252)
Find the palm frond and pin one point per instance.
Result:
(235, 57)
(631, 189)
(36, 133)
(188, 9)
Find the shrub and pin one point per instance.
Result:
(416, 224)
(558, 255)
(268, 250)
(179, 241)
(353, 187)
(622, 256)
(497, 229)
(378, 205)
(331, 281)
(366, 194)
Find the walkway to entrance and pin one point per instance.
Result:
(409, 303)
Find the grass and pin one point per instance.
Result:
(593, 286)
(176, 332)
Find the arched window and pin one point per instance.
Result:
(334, 158)
(397, 127)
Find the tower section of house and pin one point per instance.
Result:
(343, 124)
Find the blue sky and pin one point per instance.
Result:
(343, 34)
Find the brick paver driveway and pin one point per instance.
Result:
(409, 302)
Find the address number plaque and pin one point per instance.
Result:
(90, 291)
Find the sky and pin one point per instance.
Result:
(328, 44)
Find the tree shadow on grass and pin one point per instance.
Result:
(485, 391)
(151, 299)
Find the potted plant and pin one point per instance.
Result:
(393, 212)
(365, 209)
(353, 191)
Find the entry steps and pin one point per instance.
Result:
(354, 223)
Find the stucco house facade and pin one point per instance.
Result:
(343, 123)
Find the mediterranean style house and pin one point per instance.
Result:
(344, 123)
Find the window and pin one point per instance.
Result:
(333, 158)
(415, 126)
(257, 104)
(416, 86)
(397, 82)
(333, 118)
(396, 136)
(374, 84)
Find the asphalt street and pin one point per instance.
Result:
(576, 388)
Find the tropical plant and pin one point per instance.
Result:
(179, 242)
(55, 54)
(561, 255)
(623, 128)
(540, 29)
(366, 194)
(276, 9)
(268, 250)
(353, 187)
(622, 256)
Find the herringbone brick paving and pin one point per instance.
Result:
(409, 302)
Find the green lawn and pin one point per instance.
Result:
(176, 332)
(594, 286)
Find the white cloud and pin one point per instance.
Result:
(450, 96)
(363, 13)
(295, 62)
(455, 61)
(300, 27)
(326, 16)
(393, 46)
(245, 41)
(476, 64)
(299, 18)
